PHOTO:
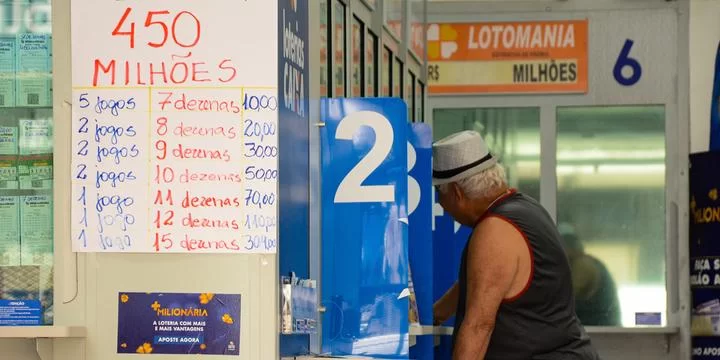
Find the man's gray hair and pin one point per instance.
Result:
(481, 185)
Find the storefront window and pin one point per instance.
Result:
(358, 43)
(420, 99)
(397, 75)
(410, 95)
(26, 159)
(386, 71)
(324, 63)
(339, 49)
(371, 72)
(394, 17)
(513, 135)
(611, 210)
(417, 28)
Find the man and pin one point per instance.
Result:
(514, 297)
(596, 301)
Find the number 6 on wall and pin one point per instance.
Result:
(351, 188)
(624, 60)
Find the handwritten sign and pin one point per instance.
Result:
(174, 118)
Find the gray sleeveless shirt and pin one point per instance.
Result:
(540, 323)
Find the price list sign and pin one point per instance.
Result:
(174, 123)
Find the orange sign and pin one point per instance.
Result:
(508, 57)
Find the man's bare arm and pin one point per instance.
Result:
(491, 269)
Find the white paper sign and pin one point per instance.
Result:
(174, 126)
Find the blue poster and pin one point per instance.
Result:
(420, 203)
(705, 254)
(293, 162)
(20, 312)
(167, 323)
(365, 227)
(715, 106)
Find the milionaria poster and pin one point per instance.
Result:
(178, 323)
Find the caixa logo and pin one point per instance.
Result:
(17, 17)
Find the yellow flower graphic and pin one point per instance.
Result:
(228, 319)
(155, 306)
(124, 298)
(123, 345)
(145, 348)
(203, 346)
(441, 41)
(206, 298)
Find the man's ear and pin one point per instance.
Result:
(457, 192)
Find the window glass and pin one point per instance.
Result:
(386, 71)
(339, 49)
(420, 93)
(324, 66)
(611, 210)
(410, 95)
(26, 159)
(371, 73)
(358, 42)
(417, 28)
(513, 135)
(397, 73)
(394, 16)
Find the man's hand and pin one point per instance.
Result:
(494, 253)
(446, 307)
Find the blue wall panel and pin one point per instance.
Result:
(293, 146)
(420, 203)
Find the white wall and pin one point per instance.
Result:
(704, 37)
(18, 350)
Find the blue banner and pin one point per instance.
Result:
(293, 162)
(420, 203)
(715, 107)
(705, 254)
(20, 313)
(364, 227)
(166, 323)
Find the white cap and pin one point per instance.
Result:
(460, 156)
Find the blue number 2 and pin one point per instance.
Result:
(624, 60)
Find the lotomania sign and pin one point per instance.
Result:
(508, 57)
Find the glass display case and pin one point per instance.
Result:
(26, 164)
